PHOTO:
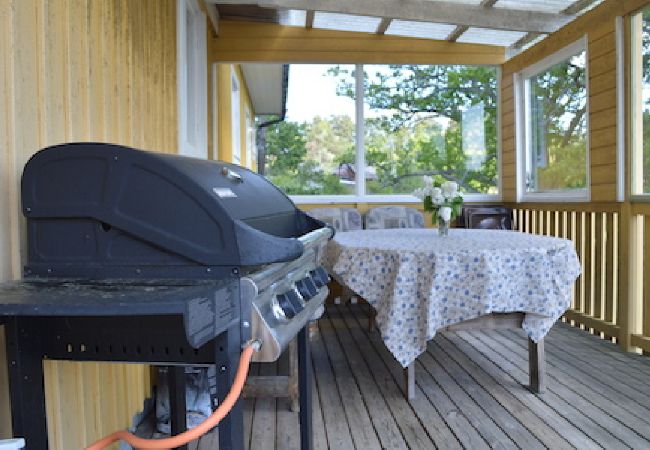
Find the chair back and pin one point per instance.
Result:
(393, 217)
(342, 219)
(487, 217)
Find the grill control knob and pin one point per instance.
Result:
(307, 288)
(277, 310)
(286, 305)
(295, 300)
(320, 277)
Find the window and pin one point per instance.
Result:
(641, 103)
(363, 132)
(313, 150)
(553, 127)
(192, 79)
(235, 118)
(430, 120)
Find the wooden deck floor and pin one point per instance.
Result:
(471, 393)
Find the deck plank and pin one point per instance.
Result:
(516, 367)
(412, 430)
(336, 426)
(471, 392)
(384, 422)
(363, 431)
(558, 424)
(507, 399)
(561, 383)
(264, 416)
(609, 398)
(320, 436)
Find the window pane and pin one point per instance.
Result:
(557, 127)
(313, 150)
(430, 120)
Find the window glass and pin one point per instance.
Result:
(430, 120)
(313, 150)
(556, 127)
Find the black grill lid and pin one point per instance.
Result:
(206, 212)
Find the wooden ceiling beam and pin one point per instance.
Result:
(309, 19)
(383, 26)
(461, 29)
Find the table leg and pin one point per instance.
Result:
(228, 350)
(305, 385)
(177, 406)
(537, 366)
(409, 381)
(26, 383)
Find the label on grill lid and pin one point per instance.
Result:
(224, 192)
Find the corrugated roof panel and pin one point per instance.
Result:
(476, 35)
(292, 17)
(424, 30)
(346, 22)
(549, 6)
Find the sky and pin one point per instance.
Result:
(312, 92)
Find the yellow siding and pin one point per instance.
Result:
(81, 70)
(599, 26)
(242, 41)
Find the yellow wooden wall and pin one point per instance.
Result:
(74, 70)
(599, 26)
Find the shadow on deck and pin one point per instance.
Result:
(471, 392)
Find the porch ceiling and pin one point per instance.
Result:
(515, 24)
(267, 87)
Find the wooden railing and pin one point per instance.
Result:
(595, 232)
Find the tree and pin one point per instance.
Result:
(419, 121)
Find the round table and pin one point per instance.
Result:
(420, 282)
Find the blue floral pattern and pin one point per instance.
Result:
(420, 282)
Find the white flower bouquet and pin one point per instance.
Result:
(444, 200)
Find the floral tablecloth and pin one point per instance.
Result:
(420, 282)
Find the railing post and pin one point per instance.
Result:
(630, 272)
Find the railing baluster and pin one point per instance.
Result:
(597, 240)
(608, 269)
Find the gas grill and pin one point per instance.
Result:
(148, 257)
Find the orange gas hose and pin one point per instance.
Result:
(181, 439)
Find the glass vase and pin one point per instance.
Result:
(443, 227)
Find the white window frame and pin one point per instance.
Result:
(235, 116)
(192, 137)
(360, 162)
(250, 136)
(522, 126)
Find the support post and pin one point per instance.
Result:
(537, 366)
(305, 385)
(227, 352)
(26, 382)
(409, 381)
(177, 405)
(294, 392)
